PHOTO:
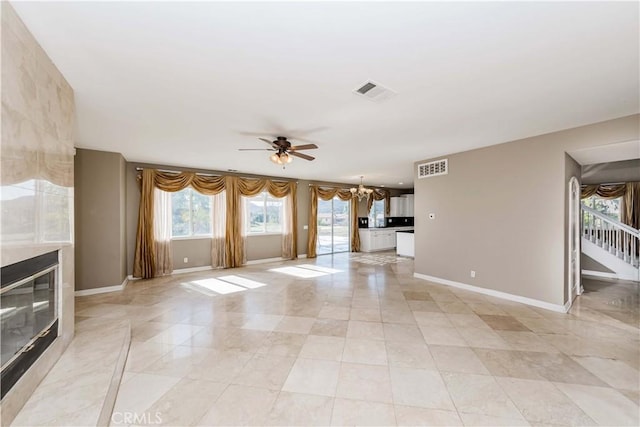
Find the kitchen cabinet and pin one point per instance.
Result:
(405, 244)
(395, 206)
(377, 239)
(408, 205)
(401, 206)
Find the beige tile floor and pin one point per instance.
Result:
(364, 343)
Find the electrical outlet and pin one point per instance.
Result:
(305, 227)
(186, 260)
(473, 273)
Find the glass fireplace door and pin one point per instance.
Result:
(27, 308)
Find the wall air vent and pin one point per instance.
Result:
(374, 92)
(439, 167)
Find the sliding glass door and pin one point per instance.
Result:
(333, 226)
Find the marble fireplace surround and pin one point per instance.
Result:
(89, 373)
(38, 114)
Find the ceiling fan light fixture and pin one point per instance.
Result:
(281, 158)
(285, 158)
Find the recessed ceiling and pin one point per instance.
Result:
(185, 83)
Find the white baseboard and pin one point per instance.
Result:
(268, 260)
(191, 269)
(102, 290)
(503, 295)
(265, 260)
(604, 274)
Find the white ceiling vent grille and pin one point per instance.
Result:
(374, 92)
(439, 167)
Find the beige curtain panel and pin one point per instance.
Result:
(328, 194)
(162, 232)
(631, 205)
(145, 255)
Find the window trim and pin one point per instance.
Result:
(592, 205)
(372, 224)
(191, 236)
(265, 195)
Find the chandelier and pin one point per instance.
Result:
(361, 192)
(281, 158)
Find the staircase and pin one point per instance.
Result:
(611, 243)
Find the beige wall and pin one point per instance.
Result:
(197, 252)
(501, 211)
(38, 114)
(625, 171)
(101, 252)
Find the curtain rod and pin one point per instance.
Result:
(139, 169)
(344, 188)
(607, 183)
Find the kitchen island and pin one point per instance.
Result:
(379, 239)
(405, 243)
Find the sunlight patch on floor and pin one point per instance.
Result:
(247, 283)
(302, 273)
(223, 285)
(319, 268)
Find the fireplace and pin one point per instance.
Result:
(29, 295)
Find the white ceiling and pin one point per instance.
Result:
(627, 150)
(178, 83)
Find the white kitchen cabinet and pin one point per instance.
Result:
(401, 206)
(408, 205)
(405, 244)
(395, 208)
(377, 239)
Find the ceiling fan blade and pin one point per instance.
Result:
(271, 143)
(303, 147)
(257, 149)
(302, 156)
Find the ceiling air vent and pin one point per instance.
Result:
(439, 167)
(374, 91)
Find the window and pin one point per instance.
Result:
(263, 214)
(376, 214)
(608, 207)
(190, 214)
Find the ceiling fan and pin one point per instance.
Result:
(283, 150)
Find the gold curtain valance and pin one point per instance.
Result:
(235, 187)
(380, 195)
(606, 191)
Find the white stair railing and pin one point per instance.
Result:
(612, 236)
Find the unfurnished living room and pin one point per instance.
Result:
(320, 213)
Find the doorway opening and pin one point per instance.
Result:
(333, 226)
